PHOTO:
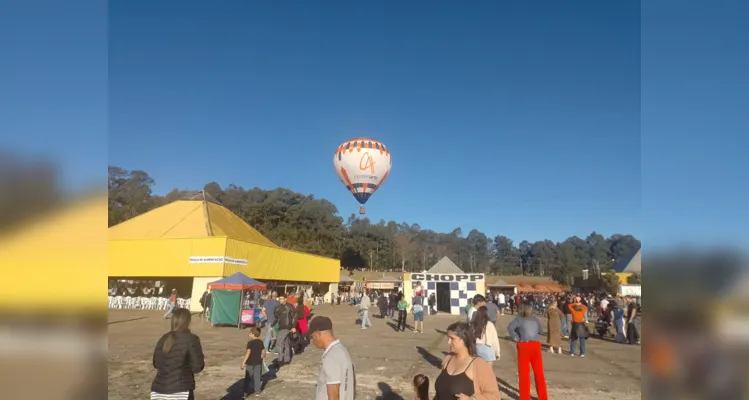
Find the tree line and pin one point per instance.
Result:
(308, 224)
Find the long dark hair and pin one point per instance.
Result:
(421, 385)
(300, 308)
(180, 323)
(465, 333)
(479, 324)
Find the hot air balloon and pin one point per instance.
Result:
(362, 166)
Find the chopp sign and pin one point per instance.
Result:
(447, 277)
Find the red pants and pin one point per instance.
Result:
(529, 355)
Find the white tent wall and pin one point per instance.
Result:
(199, 284)
(332, 289)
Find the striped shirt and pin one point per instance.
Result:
(170, 396)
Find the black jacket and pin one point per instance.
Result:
(285, 316)
(175, 370)
(205, 300)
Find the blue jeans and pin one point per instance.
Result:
(564, 325)
(582, 346)
(268, 335)
(171, 310)
(619, 323)
(365, 318)
(486, 352)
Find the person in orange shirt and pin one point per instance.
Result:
(292, 299)
(579, 330)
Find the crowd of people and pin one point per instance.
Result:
(466, 372)
(474, 343)
(617, 312)
(178, 355)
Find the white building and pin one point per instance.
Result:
(453, 288)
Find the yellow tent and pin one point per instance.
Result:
(55, 263)
(199, 238)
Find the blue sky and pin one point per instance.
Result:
(499, 118)
(53, 86)
(515, 119)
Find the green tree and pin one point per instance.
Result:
(302, 222)
(506, 256)
(129, 194)
(610, 282)
(634, 279)
(479, 251)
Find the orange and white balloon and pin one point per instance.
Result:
(362, 166)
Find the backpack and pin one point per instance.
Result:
(285, 317)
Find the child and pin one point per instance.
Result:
(421, 387)
(253, 362)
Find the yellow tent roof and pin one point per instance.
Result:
(183, 219)
(58, 261)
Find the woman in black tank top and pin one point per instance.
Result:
(448, 386)
(471, 378)
(456, 384)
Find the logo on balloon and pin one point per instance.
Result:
(366, 163)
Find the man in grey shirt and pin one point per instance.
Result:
(336, 380)
(364, 310)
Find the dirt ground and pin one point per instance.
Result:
(385, 360)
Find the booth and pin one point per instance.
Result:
(452, 291)
(500, 286)
(235, 300)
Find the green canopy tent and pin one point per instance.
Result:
(226, 299)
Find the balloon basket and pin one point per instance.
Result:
(362, 211)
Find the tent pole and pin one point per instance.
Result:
(239, 317)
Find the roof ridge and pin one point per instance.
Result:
(208, 225)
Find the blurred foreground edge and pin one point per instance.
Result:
(696, 314)
(57, 262)
(53, 303)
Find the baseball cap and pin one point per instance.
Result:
(320, 323)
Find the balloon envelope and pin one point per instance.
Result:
(362, 166)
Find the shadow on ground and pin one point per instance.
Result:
(429, 357)
(387, 392)
(394, 326)
(236, 390)
(126, 320)
(510, 391)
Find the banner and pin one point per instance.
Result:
(217, 260)
(381, 285)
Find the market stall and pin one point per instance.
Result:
(235, 300)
